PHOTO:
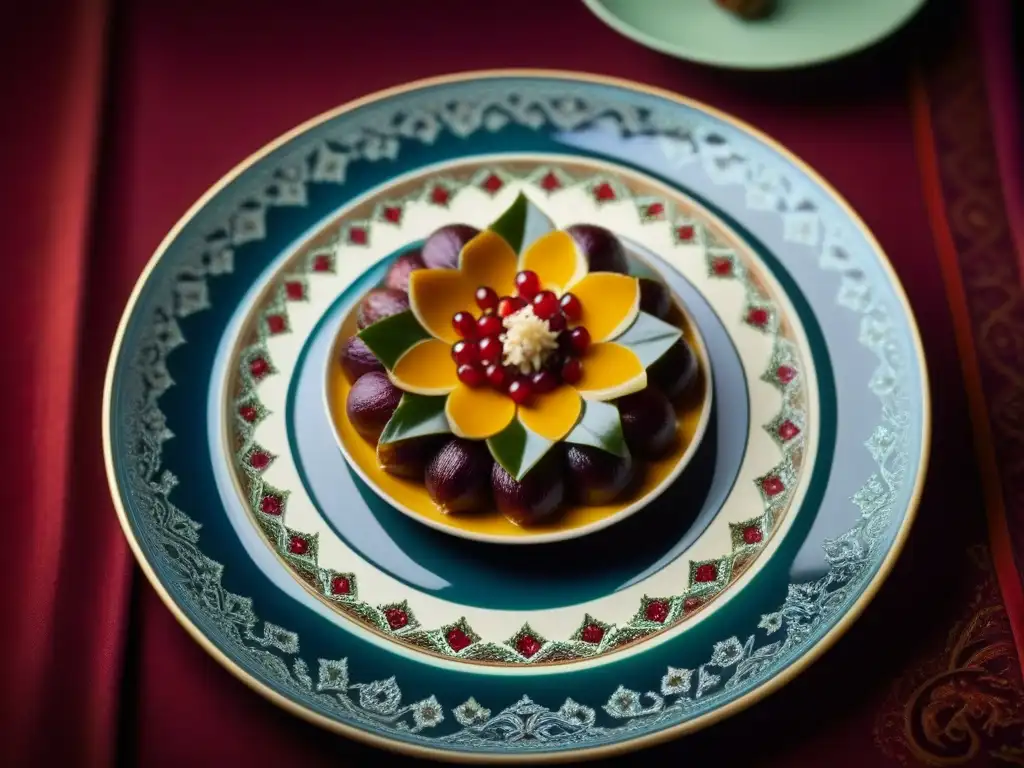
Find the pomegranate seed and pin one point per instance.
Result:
(592, 633)
(465, 353)
(489, 350)
(470, 375)
(557, 322)
(545, 305)
(543, 381)
(520, 391)
(496, 376)
(270, 505)
(579, 338)
(571, 307)
(488, 325)
(298, 545)
(486, 298)
(572, 370)
(752, 535)
(340, 586)
(527, 284)
(510, 304)
(464, 325)
(397, 618)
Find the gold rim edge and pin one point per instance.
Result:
(766, 689)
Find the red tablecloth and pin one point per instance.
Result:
(117, 117)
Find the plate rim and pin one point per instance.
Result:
(785, 676)
(638, 36)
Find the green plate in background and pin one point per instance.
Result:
(799, 33)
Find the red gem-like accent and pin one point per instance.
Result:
(249, 413)
(340, 586)
(439, 195)
(322, 263)
(259, 367)
(259, 460)
(772, 486)
(357, 235)
(655, 209)
(550, 182)
(397, 618)
(788, 430)
(275, 324)
(528, 645)
(604, 191)
(492, 183)
(752, 535)
(685, 232)
(270, 505)
(393, 214)
(656, 610)
(706, 572)
(298, 545)
(592, 633)
(457, 639)
(758, 317)
(721, 267)
(294, 290)
(785, 373)
(691, 604)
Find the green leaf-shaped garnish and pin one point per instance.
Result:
(518, 449)
(649, 338)
(416, 416)
(600, 427)
(391, 337)
(521, 224)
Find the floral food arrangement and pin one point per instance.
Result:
(514, 370)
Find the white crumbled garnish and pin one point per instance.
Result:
(528, 340)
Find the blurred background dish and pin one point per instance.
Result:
(795, 33)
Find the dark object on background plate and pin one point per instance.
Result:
(748, 9)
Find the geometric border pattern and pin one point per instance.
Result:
(592, 637)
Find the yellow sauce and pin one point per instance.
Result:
(413, 495)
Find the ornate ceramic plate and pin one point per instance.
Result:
(334, 589)
(798, 33)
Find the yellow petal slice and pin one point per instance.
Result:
(552, 415)
(435, 295)
(477, 414)
(610, 303)
(426, 369)
(610, 371)
(488, 260)
(556, 259)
